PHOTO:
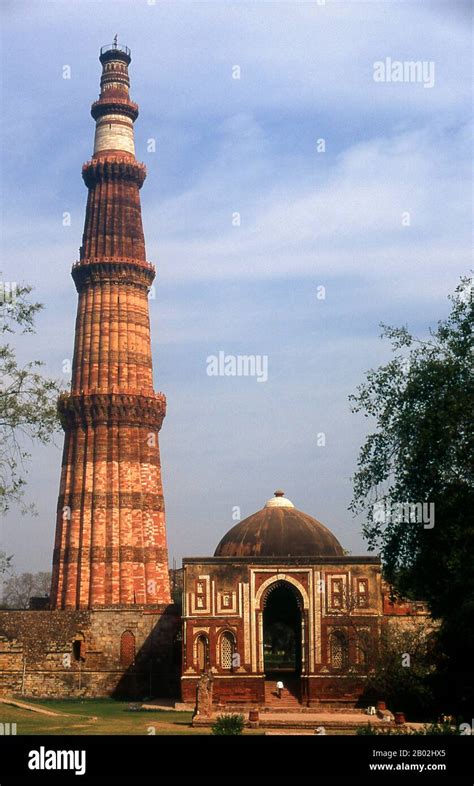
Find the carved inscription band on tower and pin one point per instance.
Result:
(110, 546)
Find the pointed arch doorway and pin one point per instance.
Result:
(283, 639)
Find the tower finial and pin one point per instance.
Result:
(115, 39)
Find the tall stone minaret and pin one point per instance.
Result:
(110, 546)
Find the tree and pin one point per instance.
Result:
(421, 454)
(18, 589)
(5, 565)
(403, 669)
(27, 399)
(354, 622)
(4, 562)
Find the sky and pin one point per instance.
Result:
(345, 187)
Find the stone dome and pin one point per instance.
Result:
(279, 530)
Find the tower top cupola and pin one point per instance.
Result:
(115, 50)
(114, 111)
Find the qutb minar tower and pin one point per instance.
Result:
(110, 546)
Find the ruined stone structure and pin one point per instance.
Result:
(281, 573)
(110, 628)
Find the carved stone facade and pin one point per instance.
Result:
(110, 548)
(226, 597)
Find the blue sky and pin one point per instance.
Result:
(308, 219)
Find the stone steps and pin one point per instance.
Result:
(289, 696)
(293, 722)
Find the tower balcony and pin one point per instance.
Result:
(114, 105)
(115, 52)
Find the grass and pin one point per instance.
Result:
(96, 716)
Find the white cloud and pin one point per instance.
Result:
(350, 223)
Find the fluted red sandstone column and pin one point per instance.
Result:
(110, 546)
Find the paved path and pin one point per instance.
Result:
(23, 705)
(355, 718)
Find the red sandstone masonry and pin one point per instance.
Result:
(110, 545)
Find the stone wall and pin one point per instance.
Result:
(226, 691)
(342, 691)
(83, 653)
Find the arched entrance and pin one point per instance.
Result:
(282, 637)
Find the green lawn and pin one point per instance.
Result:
(96, 716)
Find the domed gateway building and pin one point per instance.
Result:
(280, 601)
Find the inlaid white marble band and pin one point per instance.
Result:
(114, 132)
